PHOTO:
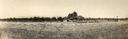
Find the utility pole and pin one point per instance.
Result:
(117, 18)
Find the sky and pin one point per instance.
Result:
(55, 8)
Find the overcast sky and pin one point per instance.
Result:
(50, 8)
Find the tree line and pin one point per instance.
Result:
(71, 16)
(36, 19)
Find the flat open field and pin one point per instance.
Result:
(63, 30)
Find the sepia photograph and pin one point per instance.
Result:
(63, 19)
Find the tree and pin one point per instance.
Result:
(42, 19)
(53, 18)
(74, 14)
(64, 18)
(60, 19)
(47, 19)
(80, 17)
(69, 16)
(36, 19)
